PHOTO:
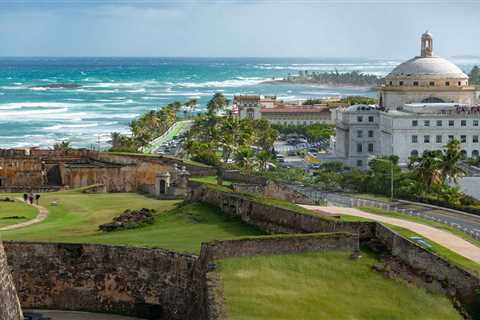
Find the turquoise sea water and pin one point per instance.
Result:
(109, 92)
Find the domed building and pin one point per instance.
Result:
(423, 103)
(426, 78)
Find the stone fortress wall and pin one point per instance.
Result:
(406, 258)
(9, 304)
(37, 169)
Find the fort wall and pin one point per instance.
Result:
(9, 304)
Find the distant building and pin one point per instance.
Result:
(281, 112)
(424, 102)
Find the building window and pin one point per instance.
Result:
(439, 123)
(463, 139)
(463, 123)
(414, 123)
(414, 153)
(475, 154)
(370, 147)
(359, 119)
(426, 123)
(415, 83)
(432, 83)
(359, 163)
(475, 123)
(451, 123)
(401, 83)
(451, 137)
(250, 113)
(370, 133)
(426, 139)
(391, 83)
(414, 139)
(463, 153)
(359, 148)
(370, 119)
(359, 134)
(475, 139)
(459, 83)
(438, 139)
(447, 83)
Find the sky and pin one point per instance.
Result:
(237, 28)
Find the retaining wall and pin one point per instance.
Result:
(146, 283)
(449, 278)
(285, 244)
(9, 304)
(274, 219)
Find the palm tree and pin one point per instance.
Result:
(450, 159)
(62, 146)
(427, 169)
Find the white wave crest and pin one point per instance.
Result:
(237, 82)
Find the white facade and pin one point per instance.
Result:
(425, 102)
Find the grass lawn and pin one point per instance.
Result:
(328, 285)
(15, 212)
(77, 216)
(211, 180)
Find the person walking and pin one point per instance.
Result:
(30, 198)
(25, 197)
(37, 198)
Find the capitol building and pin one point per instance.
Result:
(423, 103)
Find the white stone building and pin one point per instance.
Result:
(424, 102)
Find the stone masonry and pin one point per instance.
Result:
(9, 304)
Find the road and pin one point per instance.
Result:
(442, 237)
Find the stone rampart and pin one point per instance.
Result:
(146, 283)
(279, 244)
(274, 219)
(9, 304)
(437, 272)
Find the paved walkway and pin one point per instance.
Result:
(442, 237)
(42, 215)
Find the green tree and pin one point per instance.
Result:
(427, 169)
(217, 103)
(450, 159)
(62, 146)
(475, 76)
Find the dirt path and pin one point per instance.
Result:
(42, 215)
(442, 237)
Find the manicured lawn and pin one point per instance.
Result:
(211, 180)
(77, 216)
(323, 286)
(15, 212)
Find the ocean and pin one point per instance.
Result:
(103, 94)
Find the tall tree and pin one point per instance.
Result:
(450, 159)
(217, 103)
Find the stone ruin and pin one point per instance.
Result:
(130, 219)
(172, 184)
(9, 304)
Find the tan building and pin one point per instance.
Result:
(281, 112)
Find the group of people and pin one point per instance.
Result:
(30, 197)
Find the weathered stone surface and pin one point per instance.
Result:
(279, 245)
(130, 219)
(274, 219)
(147, 283)
(9, 304)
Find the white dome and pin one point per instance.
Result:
(427, 67)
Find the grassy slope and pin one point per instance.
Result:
(17, 208)
(77, 217)
(320, 286)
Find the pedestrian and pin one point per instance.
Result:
(30, 198)
(37, 198)
(25, 197)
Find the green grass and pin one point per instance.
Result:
(77, 217)
(20, 209)
(323, 286)
(210, 180)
